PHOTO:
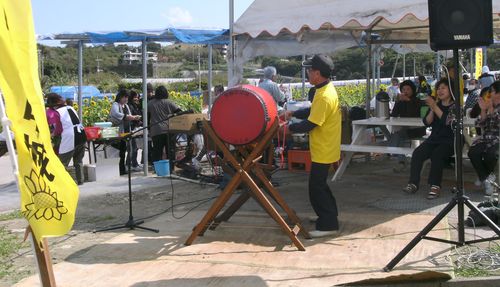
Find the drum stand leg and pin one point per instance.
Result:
(243, 171)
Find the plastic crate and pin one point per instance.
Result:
(299, 157)
(92, 133)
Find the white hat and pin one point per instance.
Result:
(485, 70)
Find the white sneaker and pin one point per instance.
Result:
(489, 188)
(320, 233)
(136, 168)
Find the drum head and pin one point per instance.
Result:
(240, 115)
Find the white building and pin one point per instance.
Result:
(131, 57)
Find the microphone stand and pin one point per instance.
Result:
(132, 223)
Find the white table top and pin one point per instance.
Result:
(409, 122)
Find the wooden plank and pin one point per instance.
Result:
(376, 149)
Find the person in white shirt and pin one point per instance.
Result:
(393, 90)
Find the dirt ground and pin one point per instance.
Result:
(371, 185)
(98, 211)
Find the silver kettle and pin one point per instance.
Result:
(382, 105)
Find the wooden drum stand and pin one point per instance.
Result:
(245, 162)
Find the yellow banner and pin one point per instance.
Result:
(479, 62)
(49, 195)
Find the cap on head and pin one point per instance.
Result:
(485, 69)
(322, 63)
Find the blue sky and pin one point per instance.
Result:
(57, 16)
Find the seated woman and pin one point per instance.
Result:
(408, 106)
(439, 146)
(484, 150)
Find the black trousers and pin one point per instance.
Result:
(77, 155)
(483, 159)
(321, 197)
(122, 147)
(439, 155)
(162, 142)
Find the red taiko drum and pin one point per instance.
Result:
(242, 114)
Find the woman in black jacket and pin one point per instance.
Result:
(439, 146)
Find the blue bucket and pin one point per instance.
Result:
(162, 167)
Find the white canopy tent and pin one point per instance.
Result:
(299, 27)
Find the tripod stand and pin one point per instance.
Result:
(459, 199)
(131, 223)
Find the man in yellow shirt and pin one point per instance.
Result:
(323, 122)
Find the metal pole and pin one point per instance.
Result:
(471, 68)
(414, 65)
(395, 66)
(485, 56)
(373, 71)
(80, 79)
(230, 49)
(379, 58)
(404, 66)
(145, 105)
(8, 139)
(438, 66)
(199, 70)
(368, 74)
(209, 77)
(459, 143)
(303, 78)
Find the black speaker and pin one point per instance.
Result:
(460, 24)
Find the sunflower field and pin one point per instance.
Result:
(349, 95)
(97, 109)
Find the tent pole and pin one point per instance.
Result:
(145, 105)
(438, 66)
(415, 65)
(199, 69)
(209, 77)
(395, 66)
(230, 51)
(471, 63)
(373, 71)
(80, 79)
(368, 73)
(379, 58)
(404, 66)
(303, 78)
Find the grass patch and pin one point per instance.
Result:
(9, 245)
(486, 262)
(471, 272)
(11, 215)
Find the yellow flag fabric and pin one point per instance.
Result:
(479, 62)
(49, 195)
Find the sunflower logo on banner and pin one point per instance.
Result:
(49, 195)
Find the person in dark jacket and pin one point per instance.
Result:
(438, 147)
(408, 106)
(484, 151)
(135, 110)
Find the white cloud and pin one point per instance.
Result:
(178, 16)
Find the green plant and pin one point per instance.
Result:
(11, 215)
(349, 95)
(185, 101)
(95, 110)
(9, 244)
